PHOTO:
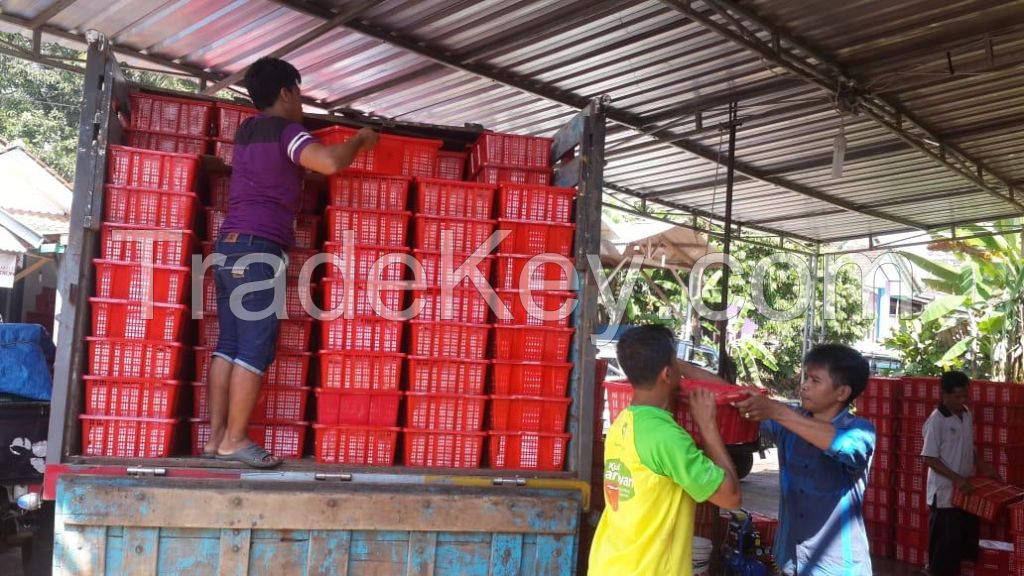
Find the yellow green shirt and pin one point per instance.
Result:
(654, 475)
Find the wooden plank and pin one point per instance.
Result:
(554, 555)
(567, 137)
(83, 551)
(139, 550)
(288, 506)
(234, 552)
(506, 555)
(422, 551)
(328, 553)
(568, 175)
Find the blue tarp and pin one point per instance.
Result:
(26, 355)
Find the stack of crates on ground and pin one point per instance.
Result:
(535, 281)
(1017, 533)
(878, 405)
(449, 333)
(361, 331)
(139, 316)
(278, 420)
(918, 397)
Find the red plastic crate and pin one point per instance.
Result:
(371, 227)
(552, 309)
(225, 150)
(361, 299)
(171, 143)
(536, 238)
(445, 412)
(130, 397)
(911, 442)
(443, 449)
(132, 321)
(297, 258)
(146, 245)
(463, 305)
(132, 281)
(119, 437)
(511, 149)
(495, 174)
(289, 369)
(534, 343)
(1002, 455)
(448, 340)
(140, 168)
(922, 388)
(884, 427)
(465, 235)
(528, 450)
(996, 435)
(518, 378)
(911, 519)
(431, 267)
(882, 387)
(915, 409)
(293, 335)
(454, 199)
(528, 414)
(274, 404)
(214, 220)
(357, 407)
(447, 375)
(884, 461)
(361, 370)
(357, 262)
(391, 155)
(1017, 520)
(369, 191)
(535, 203)
(115, 357)
(876, 407)
(546, 272)
(911, 500)
(910, 482)
(218, 191)
(170, 115)
(355, 445)
(229, 117)
(364, 334)
(911, 555)
(1006, 416)
(282, 439)
(999, 393)
(988, 498)
(156, 208)
(451, 165)
(307, 231)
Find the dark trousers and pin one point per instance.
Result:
(952, 539)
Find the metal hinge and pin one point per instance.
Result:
(509, 481)
(338, 477)
(140, 471)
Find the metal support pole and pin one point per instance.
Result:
(723, 325)
(811, 303)
(824, 302)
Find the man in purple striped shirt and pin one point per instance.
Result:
(271, 153)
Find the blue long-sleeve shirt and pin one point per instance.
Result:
(821, 521)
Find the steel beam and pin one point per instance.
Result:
(828, 75)
(48, 13)
(555, 94)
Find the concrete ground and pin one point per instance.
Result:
(761, 494)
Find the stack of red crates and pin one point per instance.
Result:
(918, 398)
(169, 124)
(1017, 533)
(535, 282)
(139, 318)
(278, 420)
(878, 405)
(447, 364)
(361, 335)
(499, 158)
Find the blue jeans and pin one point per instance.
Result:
(248, 329)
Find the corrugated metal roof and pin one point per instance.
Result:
(32, 193)
(517, 65)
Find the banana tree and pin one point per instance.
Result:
(978, 323)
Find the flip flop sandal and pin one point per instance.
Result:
(209, 455)
(252, 455)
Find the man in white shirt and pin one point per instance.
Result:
(951, 458)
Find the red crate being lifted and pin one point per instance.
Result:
(138, 168)
(391, 155)
(170, 115)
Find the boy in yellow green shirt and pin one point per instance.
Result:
(654, 474)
